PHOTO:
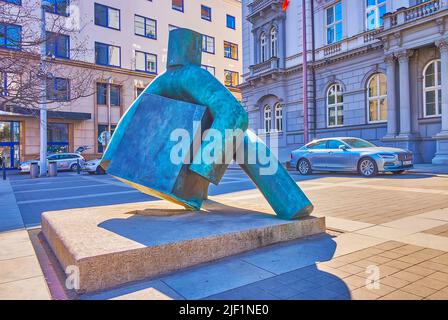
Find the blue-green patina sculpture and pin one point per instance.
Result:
(139, 152)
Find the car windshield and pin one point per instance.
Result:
(358, 143)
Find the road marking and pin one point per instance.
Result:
(78, 197)
(63, 188)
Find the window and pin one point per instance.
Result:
(101, 129)
(230, 50)
(101, 94)
(334, 23)
(206, 13)
(278, 117)
(57, 137)
(208, 44)
(375, 9)
(377, 98)
(209, 69)
(334, 144)
(335, 106)
(58, 7)
(107, 55)
(231, 78)
(145, 27)
(10, 36)
(177, 5)
(9, 84)
(107, 17)
(58, 89)
(139, 91)
(145, 62)
(230, 22)
(18, 2)
(274, 42)
(58, 45)
(267, 119)
(263, 47)
(319, 145)
(432, 89)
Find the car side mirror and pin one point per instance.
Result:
(343, 147)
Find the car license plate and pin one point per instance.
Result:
(407, 163)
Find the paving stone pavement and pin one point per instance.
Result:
(386, 239)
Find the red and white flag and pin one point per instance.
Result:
(285, 4)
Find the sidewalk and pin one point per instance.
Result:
(20, 274)
(430, 168)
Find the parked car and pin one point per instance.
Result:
(93, 167)
(65, 161)
(350, 155)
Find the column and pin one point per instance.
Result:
(391, 97)
(443, 47)
(441, 157)
(405, 97)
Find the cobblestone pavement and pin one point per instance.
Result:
(386, 239)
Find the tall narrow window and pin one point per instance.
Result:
(377, 98)
(334, 23)
(335, 106)
(208, 44)
(230, 22)
(267, 119)
(206, 13)
(278, 117)
(375, 10)
(263, 47)
(274, 42)
(432, 87)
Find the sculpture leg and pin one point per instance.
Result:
(280, 190)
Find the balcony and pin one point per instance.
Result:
(264, 68)
(357, 42)
(257, 7)
(417, 12)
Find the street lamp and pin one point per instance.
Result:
(43, 95)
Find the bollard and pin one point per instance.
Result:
(3, 168)
(78, 167)
(53, 169)
(34, 170)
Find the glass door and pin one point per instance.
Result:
(10, 143)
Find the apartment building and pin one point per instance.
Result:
(377, 69)
(126, 45)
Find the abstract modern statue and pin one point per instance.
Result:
(141, 150)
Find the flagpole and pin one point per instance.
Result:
(305, 74)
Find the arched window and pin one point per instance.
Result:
(377, 98)
(278, 117)
(267, 119)
(263, 47)
(335, 106)
(274, 43)
(432, 89)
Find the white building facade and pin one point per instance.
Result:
(126, 44)
(377, 69)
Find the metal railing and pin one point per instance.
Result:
(266, 66)
(413, 13)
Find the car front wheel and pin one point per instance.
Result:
(304, 167)
(367, 167)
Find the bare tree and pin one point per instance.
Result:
(22, 71)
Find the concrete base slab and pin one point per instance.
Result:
(118, 244)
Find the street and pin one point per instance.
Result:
(379, 200)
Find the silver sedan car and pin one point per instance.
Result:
(350, 155)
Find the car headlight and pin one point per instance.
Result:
(388, 156)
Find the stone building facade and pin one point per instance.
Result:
(377, 69)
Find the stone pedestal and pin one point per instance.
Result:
(441, 157)
(117, 244)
